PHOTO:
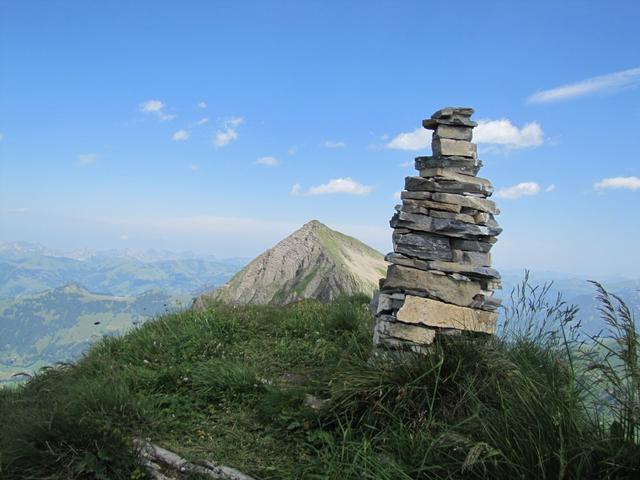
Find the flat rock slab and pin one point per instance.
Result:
(448, 267)
(471, 245)
(442, 226)
(432, 313)
(423, 206)
(471, 185)
(436, 284)
(450, 116)
(459, 148)
(476, 203)
(451, 174)
(454, 132)
(402, 331)
(467, 166)
(423, 245)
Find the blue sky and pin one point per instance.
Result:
(220, 127)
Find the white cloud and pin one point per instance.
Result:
(202, 121)
(525, 189)
(419, 139)
(224, 137)
(87, 158)
(180, 135)
(346, 186)
(228, 133)
(551, 188)
(628, 183)
(503, 132)
(152, 106)
(268, 161)
(607, 82)
(202, 105)
(156, 107)
(334, 144)
(396, 195)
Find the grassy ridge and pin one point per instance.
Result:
(233, 384)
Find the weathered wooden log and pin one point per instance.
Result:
(158, 460)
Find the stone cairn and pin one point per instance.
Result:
(440, 280)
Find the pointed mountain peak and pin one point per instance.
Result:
(313, 262)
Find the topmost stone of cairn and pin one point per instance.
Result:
(457, 116)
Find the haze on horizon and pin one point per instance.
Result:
(223, 127)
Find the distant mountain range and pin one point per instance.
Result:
(29, 268)
(53, 304)
(313, 262)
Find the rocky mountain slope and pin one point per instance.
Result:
(313, 262)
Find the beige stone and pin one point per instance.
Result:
(482, 204)
(454, 132)
(421, 206)
(435, 284)
(412, 333)
(424, 311)
(404, 195)
(448, 147)
(481, 218)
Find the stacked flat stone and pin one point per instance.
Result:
(440, 280)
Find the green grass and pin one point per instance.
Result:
(229, 384)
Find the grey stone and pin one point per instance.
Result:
(458, 148)
(450, 116)
(456, 216)
(389, 302)
(399, 259)
(486, 301)
(474, 258)
(482, 204)
(404, 195)
(454, 132)
(424, 246)
(453, 267)
(465, 165)
(373, 304)
(453, 111)
(442, 226)
(471, 245)
(491, 221)
(444, 185)
(413, 221)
